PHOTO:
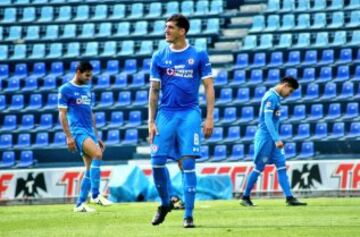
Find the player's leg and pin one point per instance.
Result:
(188, 137)
(160, 149)
(278, 158)
(262, 150)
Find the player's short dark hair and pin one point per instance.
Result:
(181, 21)
(292, 82)
(84, 66)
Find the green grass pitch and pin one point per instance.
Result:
(270, 218)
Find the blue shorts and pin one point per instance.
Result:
(80, 136)
(265, 152)
(179, 134)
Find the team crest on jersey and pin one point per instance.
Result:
(154, 148)
(190, 61)
(170, 71)
(268, 104)
(278, 113)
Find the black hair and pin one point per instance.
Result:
(84, 66)
(292, 82)
(181, 21)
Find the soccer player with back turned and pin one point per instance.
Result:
(268, 148)
(177, 70)
(78, 122)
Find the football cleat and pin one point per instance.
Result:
(178, 204)
(189, 222)
(160, 214)
(101, 200)
(83, 208)
(291, 201)
(246, 202)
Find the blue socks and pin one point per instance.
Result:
(161, 179)
(251, 182)
(284, 182)
(189, 184)
(84, 188)
(95, 177)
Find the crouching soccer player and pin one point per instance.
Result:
(79, 126)
(268, 148)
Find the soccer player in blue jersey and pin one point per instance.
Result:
(78, 122)
(178, 70)
(268, 148)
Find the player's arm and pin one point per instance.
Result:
(65, 125)
(268, 115)
(153, 104)
(101, 143)
(210, 101)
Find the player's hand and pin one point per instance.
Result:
(71, 144)
(208, 128)
(279, 144)
(152, 131)
(102, 145)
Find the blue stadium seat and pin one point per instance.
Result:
(135, 119)
(273, 6)
(327, 57)
(49, 83)
(112, 67)
(330, 91)
(82, 13)
(138, 80)
(233, 134)
(216, 114)
(46, 122)
(307, 150)
(4, 52)
(52, 101)
(59, 140)
(338, 131)
(100, 12)
(3, 104)
(337, 20)
(247, 115)
(216, 7)
(339, 38)
(352, 111)
(141, 98)
(319, 21)
(64, 14)
(308, 75)
(120, 81)
(276, 59)
(117, 119)
(28, 15)
(249, 42)
(312, 92)
(310, 57)
(212, 26)
(299, 113)
(23, 140)
(321, 131)
(237, 153)
(13, 85)
(146, 47)
(303, 22)
(127, 48)
(200, 43)
(216, 136)
(319, 5)
(19, 52)
(55, 50)
(258, 24)
(221, 78)
(219, 153)
(229, 115)
(303, 41)
(347, 91)
(69, 32)
(172, 7)
(284, 113)
(259, 93)
(336, 5)
(113, 137)
(38, 51)
(47, 14)
(124, 99)
(103, 81)
(250, 155)
(303, 132)
(38, 71)
(293, 58)
(355, 38)
(104, 30)
(225, 96)
(202, 7)
(4, 71)
(26, 159)
(293, 72)
(345, 57)
(239, 78)
(100, 119)
(7, 159)
(354, 19)
(73, 50)
(334, 112)
(322, 39)
(35, 102)
(6, 141)
(354, 132)
(288, 22)
(130, 66)
(316, 113)
(158, 28)
(141, 28)
(131, 136)
(27, 122)
(195, 27)
(303, 5)
(118, 12)
(249, 133)
(41, 140)
(9, 123)
(353, 4)
(290, 150)
(259, 60)
(155, 10)
(266, 41)
(9, 15)
(106, 100)
(286, 132)
(204, 150)
(187, 8)
(110, 49)
(91, 49)
(273, 77)
(137, 10)
(273, 23)
(242, 60)
(325, 74)
(17, 103)
(356, 74)
(87, 31)
(32, 33)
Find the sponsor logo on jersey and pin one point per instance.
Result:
(84, 100)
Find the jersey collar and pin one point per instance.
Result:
(74, 84)
(179, 50)
(275, 92)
